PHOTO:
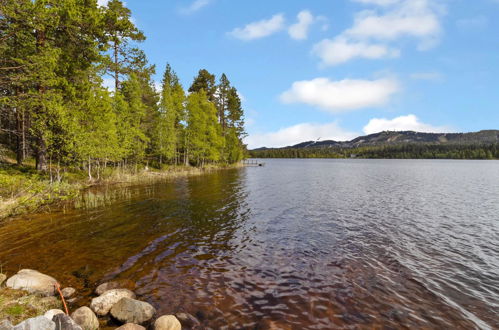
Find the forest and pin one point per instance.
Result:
(55, 110)
(400, 151)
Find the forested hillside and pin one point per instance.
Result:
(54, 58)
(408, 144)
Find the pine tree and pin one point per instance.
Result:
(204, 81)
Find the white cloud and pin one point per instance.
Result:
(195, 6)
(402, 123)
(109, 83)
(299, 31)
(413, 18)
(260, 29)
(428, 76)
(341, 50)
(373, 31)
(299, 133)
(343, 95)
(102, 3)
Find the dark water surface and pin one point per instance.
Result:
(297, 244)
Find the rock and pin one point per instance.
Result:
(103, 303)
(132, 311)
(36, 323)
(6, 325)
(85, 318)
(64, 322)
(33, 282)
(122, 284)
(3, 277)
(131, 326)
(51, 313)
(68, 292)
(187, 320)
(167, 322)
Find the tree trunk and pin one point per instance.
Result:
(116, 70)
(41, 155)
(19, 140)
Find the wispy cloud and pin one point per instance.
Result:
(102, 3)
(402, 123)
(260, 29)
(195, 6)
(427, 76)
(374, 31)
(343, 95)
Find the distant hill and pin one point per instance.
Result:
(388, 144)
(405, 137)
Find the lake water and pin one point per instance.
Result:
(297, 244)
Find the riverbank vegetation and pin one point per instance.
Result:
(401, 151)
(63, 126)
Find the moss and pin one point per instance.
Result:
(17, 305)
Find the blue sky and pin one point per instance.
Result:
(336, 69)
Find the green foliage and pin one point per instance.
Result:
(402, 151)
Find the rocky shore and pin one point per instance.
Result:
(30, 300)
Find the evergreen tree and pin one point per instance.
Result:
(204, 81)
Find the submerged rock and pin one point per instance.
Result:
(121, 284)
(68, 292)
(64, 322)
(85, 318)
(187, 320)
(167, 322)
(103, 303)
(51, 313)
(33, 282)
(36, 323)
(6, 325)
(131, 326)
(132, 311)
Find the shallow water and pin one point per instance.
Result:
(297, 244)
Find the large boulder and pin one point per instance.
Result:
(6, 325)
(33, 282)
(3, 277)
(85, 318)
(187, 320)
(51, 313)
(64, 322)
(129, 310)
(36, 323)
(167, 322)
(103, 303)
(131, 326)
(120, 284)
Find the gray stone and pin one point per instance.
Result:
(51, 313)
(121, 284)
(36, 323)
(3, 277)
(68, 292)
(6, 325)
(187, 320)
(131, 326)
(103, 303)
(85, 318)
(64, 322)
(132, 311)
(33, 282)
(167, 322)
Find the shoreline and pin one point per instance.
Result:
(35, 194)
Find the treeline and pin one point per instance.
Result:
(54, 55)
(403, 151)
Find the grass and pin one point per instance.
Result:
(25, 190)
(17, 305)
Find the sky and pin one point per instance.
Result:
(336, 69)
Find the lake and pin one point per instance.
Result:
(297, 244)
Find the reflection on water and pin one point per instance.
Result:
(298, 244)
